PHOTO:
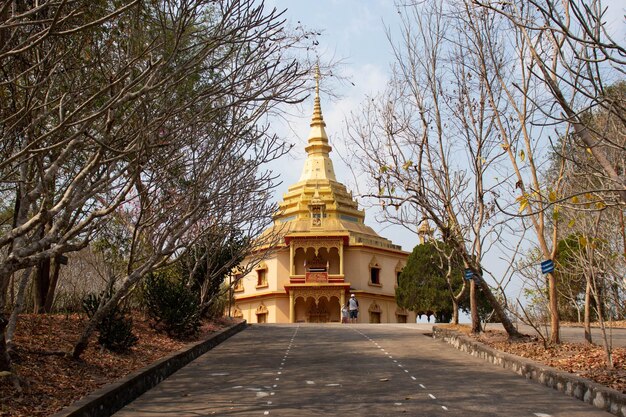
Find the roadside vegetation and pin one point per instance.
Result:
(134, 143)
(503, 127)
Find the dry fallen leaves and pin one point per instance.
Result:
(51, 381)
(585, 360)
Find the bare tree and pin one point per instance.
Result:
(429, 143)
(514, 99)
(216, 185)
(575, 59)
(102, 107)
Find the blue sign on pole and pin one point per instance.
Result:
(469, 274)
(547, 266)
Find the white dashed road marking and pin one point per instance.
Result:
(282, 364)
(443, 407)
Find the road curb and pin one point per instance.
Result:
(604, 398)
(113, 397)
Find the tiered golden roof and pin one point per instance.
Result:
(318, 186)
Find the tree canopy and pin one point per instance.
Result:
(429, 281)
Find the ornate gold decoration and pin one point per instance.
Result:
(261, 309)
(316, 244)
(374, 263)
(237, 313)
(424, 231)
(401, 311)
(317, 293)
(374, 308)
(316, 277)
(316, 215)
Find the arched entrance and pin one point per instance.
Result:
(316, 306)
(261, 314)
(375, 313)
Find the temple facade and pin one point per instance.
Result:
(326, 252)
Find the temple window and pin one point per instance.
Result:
(238, 282)
(375, 317)
(401, 315)
(375, 313)
(261, 314)
(261, 275)
(374, 272)
(399, 268)
(375, 276)
(261, 318)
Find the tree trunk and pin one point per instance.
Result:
(623, 230)
(554, 310)
(587, 324)
(83, 341)
(42, 283)
(476, 328)
(5, 360)
(42, 278)
(608, 351)
(53, 285)
(455, 311)
(17, 308)
(495, 304)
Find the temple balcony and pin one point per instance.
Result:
(316, 277)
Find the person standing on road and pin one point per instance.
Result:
(353, 307)
(345, 313)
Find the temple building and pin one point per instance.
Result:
(326, 252)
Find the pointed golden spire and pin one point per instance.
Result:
(318, 119)
(318, 164)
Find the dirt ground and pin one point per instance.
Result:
(51, 381)
(585, 360)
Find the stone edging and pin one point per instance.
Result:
(583, 389)
(113, 397)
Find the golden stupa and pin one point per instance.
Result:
(326, 252)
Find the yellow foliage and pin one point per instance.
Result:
(523, 202)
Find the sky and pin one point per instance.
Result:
(353, 32)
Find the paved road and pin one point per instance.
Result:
(617, 337)
(347, 370)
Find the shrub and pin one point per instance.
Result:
(218, 306)
(115, 329)
(172, 305)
